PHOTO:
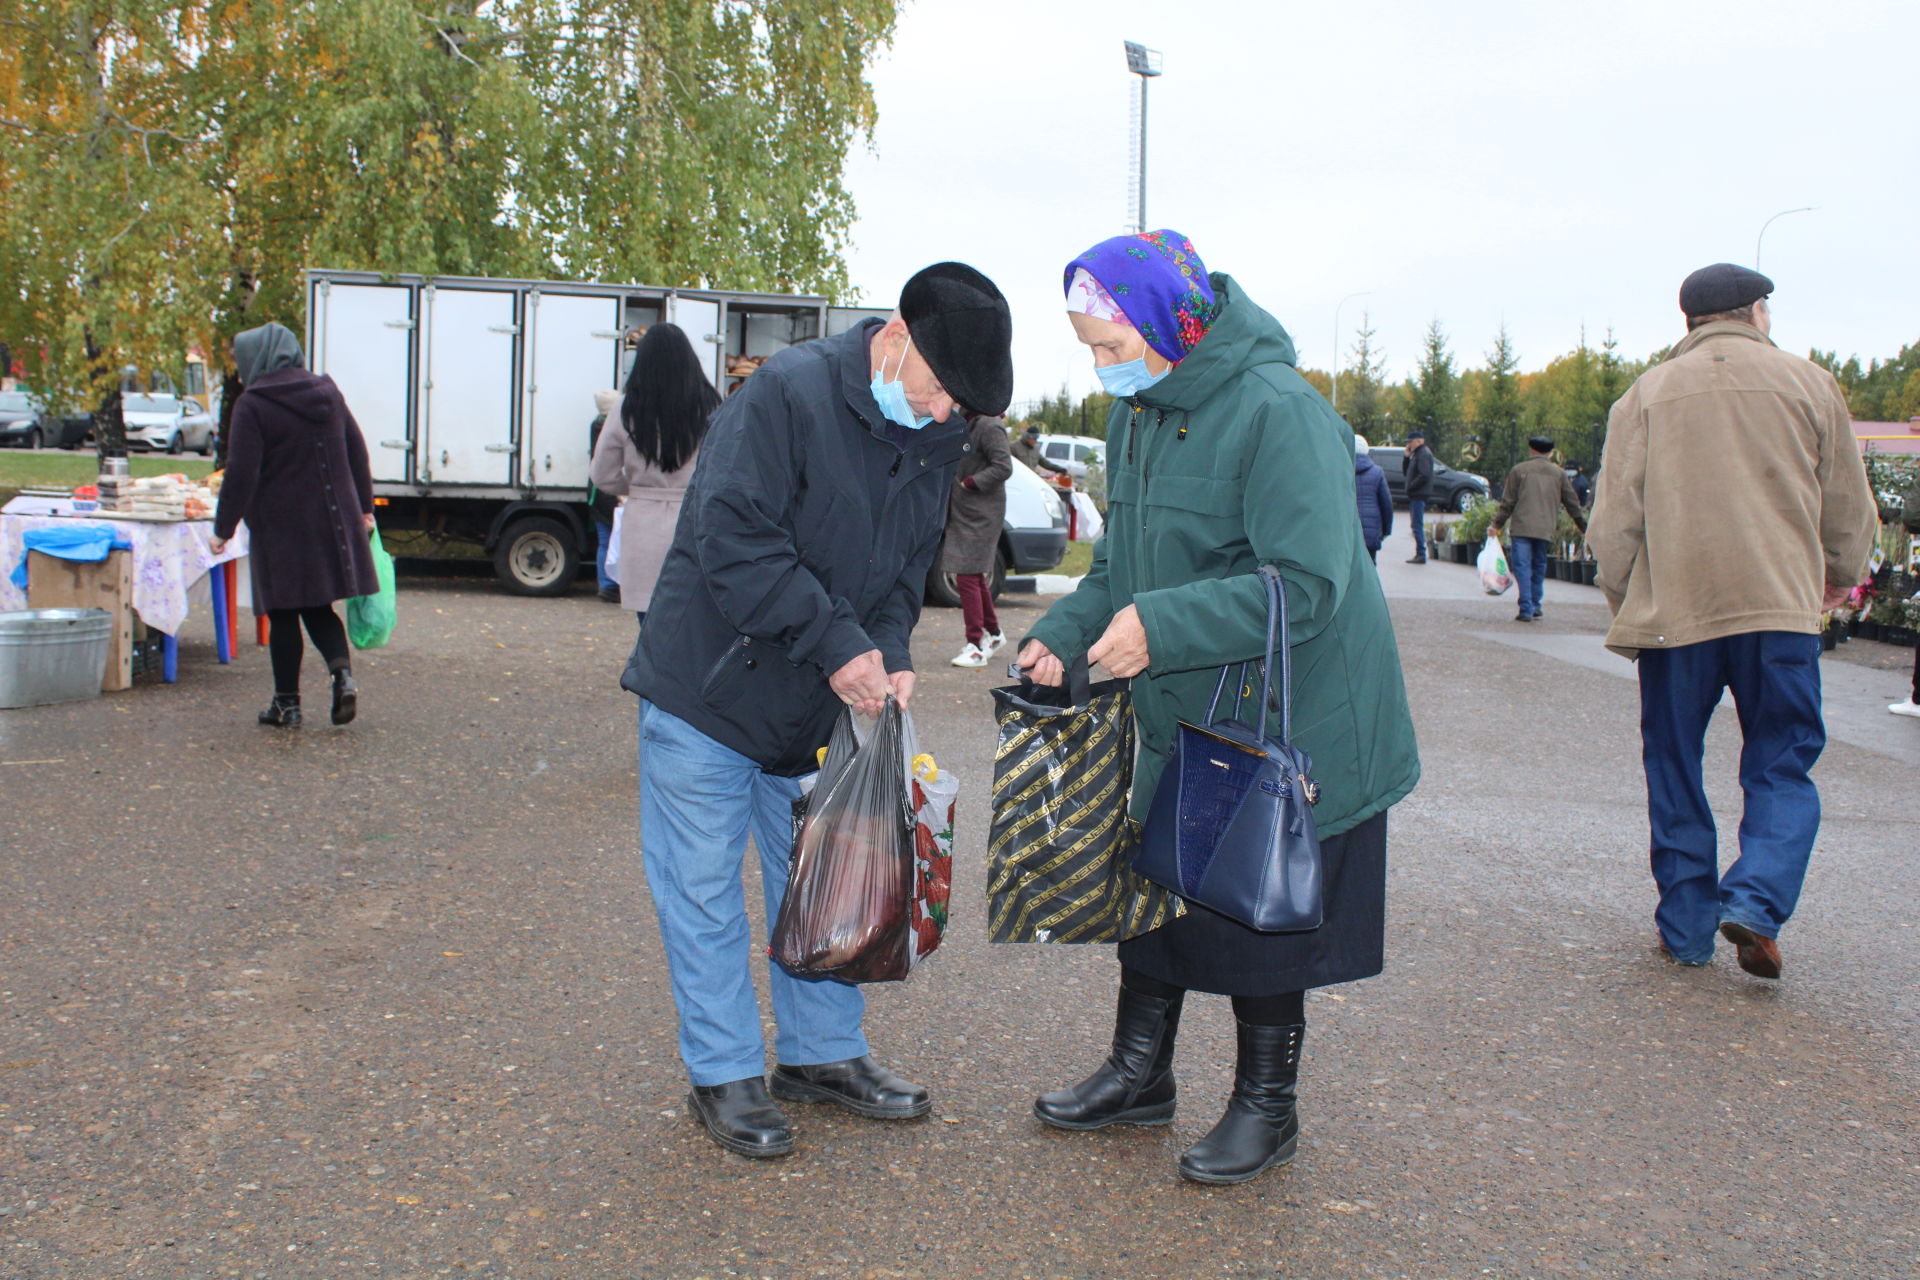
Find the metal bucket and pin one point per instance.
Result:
(52, 655)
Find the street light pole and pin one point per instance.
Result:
(1145, 63)
(1769, 222)
(1336, 343)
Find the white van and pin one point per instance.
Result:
(1073, 454)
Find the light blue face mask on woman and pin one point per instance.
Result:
(892, 396)
(1129, 378)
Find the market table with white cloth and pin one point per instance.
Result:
(168, 559)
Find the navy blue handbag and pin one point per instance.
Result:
(1231, 827)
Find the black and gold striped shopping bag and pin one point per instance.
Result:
(1060, 855)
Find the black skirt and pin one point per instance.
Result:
(1205, 951)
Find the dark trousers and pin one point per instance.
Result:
(976, 605)
(1417, 516)
(284, 649)
(602, 538)
(1775, 679)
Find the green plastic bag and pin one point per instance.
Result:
(370, 619)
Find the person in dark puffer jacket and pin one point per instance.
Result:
(1375, 500)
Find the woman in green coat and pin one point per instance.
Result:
(1222, 459)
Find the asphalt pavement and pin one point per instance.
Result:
(389, 1001)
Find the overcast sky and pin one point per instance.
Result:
(1550, 164)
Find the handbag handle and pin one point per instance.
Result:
(1276, 634)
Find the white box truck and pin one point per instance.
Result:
(476, 396)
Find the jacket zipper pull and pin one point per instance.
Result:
(894, 470)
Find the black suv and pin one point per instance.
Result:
(1452, 490)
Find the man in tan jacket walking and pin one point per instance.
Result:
(1732, 509)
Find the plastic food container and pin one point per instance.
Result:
(52, 655)
(86, 504)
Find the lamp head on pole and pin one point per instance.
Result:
(1141, 60)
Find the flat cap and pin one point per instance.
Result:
(1721, 287)
(960, 322)
(1540, 444)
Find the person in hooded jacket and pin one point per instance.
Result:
(297, 473)
(1375, 501)
(1222, 459)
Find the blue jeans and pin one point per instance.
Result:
(698, 801)
(1529, 557)
(1775, 678)
(603, 535)
(1417, 515)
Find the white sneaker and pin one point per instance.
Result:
(971, 656)
(990, 644)
(1907, 708)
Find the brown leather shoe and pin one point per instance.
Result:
(1759, 956)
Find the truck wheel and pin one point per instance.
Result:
(536, 557)
(944, 592)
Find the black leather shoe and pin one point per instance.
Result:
(860, 1084)
(1417, 560)
(283, 711)
(1135, 1084)
(346, 696)
(742, 1118)
(1261, 1127)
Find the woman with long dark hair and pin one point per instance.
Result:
(646, 457)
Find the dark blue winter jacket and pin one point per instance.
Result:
(806, 538)
(1376, 502)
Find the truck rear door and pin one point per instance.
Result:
(700, 317)
(363, 337)
(572, 351)
(469, 377)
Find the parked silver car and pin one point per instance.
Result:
(162, 422)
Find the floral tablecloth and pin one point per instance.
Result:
(167, 560)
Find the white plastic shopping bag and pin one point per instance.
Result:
(1494, 575)
(1087, 523)
(613, 544)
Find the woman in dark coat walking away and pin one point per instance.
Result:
(1374, 498)
(1223, 460)
(976, 510)
(297, 474)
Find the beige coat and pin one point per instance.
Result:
(1731, 494)
(650, 504)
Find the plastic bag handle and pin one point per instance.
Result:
(1079, 684)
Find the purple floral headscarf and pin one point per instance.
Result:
(1158, 280)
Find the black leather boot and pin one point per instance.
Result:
(346, 695)
(1261, 1126)
(283, 711)
(1135, 1084)
(742, 1118)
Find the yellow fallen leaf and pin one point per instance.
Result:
(406, 1199)
(453, 953)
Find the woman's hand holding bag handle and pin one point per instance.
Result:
(1231, 827)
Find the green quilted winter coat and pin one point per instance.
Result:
(1230, 462)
